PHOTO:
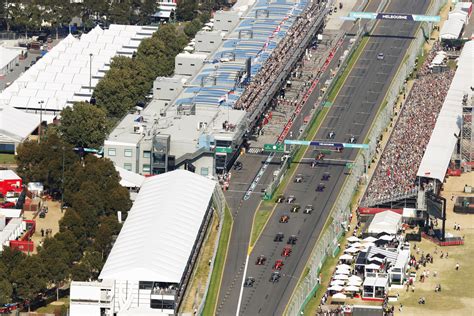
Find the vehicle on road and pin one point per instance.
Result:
(292, 240)
(260, 260)
(280, 198)
(278, 264)
(298, 178)
(325, 176)
(308, 209)
(249, 282)
(290, 199)
(279, 237)
(295, 208)
(320, 156)
(331, 135)
(380, 56)
(275, 277)
(339, 149)
(352, 140)
(286, 252)
(320, 187)
(284, 218)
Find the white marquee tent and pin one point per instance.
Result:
(385, 222)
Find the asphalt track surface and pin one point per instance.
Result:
(351, 114)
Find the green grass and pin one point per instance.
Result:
(261, 218)
(216, 277)
(52, 308)
(7, 159)
(352, 60)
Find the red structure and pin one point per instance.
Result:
(24, 243)
(9, 181)
(375, 210)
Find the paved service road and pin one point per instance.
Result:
(350, 115)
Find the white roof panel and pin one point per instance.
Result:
(158, 236)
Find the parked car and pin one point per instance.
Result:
(380, 56)
(326, 176)
(320, 187)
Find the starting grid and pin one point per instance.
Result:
(325, 144)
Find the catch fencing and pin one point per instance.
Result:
(327, 244)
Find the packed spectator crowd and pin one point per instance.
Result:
(398, 165)
(279, 58)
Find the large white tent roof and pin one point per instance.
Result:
(62, 76)
(129, 179)
(16, 125)
(6, 56)
(451, 29)
(385, 222)
(448, 124)
(159, 233)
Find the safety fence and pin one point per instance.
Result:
(327, 244)
(219, 207)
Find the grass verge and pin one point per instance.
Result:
(7, 159)
(260, 220)
(55, 307)
(214, 286)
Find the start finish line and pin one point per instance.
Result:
(325, 144)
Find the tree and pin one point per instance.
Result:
(55, 255)
(83, 125)
(186, 10)
(127, 82)
(6, 289)
(30, 277)
(191, 28)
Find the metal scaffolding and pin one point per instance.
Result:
(467, 125)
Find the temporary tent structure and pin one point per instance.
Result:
(341, 277)
(353, 239)
(352, 288)
(336, 288)
(346, 256)
(385, 222)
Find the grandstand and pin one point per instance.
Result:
(422, 142)
(151, 262)
(195, 120)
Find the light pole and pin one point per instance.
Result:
(41, 120)
(90, 72)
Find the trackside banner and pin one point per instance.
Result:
(394, 16)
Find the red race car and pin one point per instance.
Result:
(286, 251)
(278, 264)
